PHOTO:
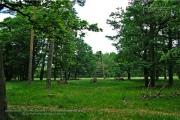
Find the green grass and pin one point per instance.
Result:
(80, 99)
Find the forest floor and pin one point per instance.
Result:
(106, 99)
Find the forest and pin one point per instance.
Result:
(42, 43)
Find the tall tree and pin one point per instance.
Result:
(49, 64)
(31, 51)
(3, 101)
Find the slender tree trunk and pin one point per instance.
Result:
(49, 65)
(157, 75)
(65, 75)
(152, 51)
(42, 70)
(146, 80)
(43, 63)
(152, 69)
(3, 102)
(170, 63)
(68, 75)
(129, 74)
(31, 53)
(75, 74)
(102, 63)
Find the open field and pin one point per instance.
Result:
(80, 99)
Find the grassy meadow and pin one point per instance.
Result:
(106, 100)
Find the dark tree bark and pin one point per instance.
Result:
(43, 63)
(69, 75)
(49, 65)
(65, 75)
(170, 62)
(152, 69)
(152, 53)
(75, 74)
(42, 70)
(3, 102)
(129, 74)
(157, 74)
(146, 80)
(165, 75)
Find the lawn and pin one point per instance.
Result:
(80, 99)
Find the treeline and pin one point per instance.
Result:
(44, 39)
(148, 39)
(57, 48)
(71, 56)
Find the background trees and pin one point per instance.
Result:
(144, 37)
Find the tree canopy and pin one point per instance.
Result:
(147, 33)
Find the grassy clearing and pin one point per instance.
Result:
(79, 99)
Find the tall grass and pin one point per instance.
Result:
(80, 99)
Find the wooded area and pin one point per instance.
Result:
(44, 39)
(148, 38)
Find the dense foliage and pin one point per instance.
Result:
(147, 38)
(54, 21)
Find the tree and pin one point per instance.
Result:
(31, 52)
(111, 68)
(3, 102)
(83, 56)
(15, 49)
(139, 35)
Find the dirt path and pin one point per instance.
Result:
(107, 110)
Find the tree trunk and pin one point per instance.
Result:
(146, 80)
(43, 64)
(129, 74)
(3, 102)
(170, 63)
(31, 53)
(152, 69)
(49, 65)
(42, 70)
(65, 75)
(75, 74)
(152, 51)
(69, 75)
